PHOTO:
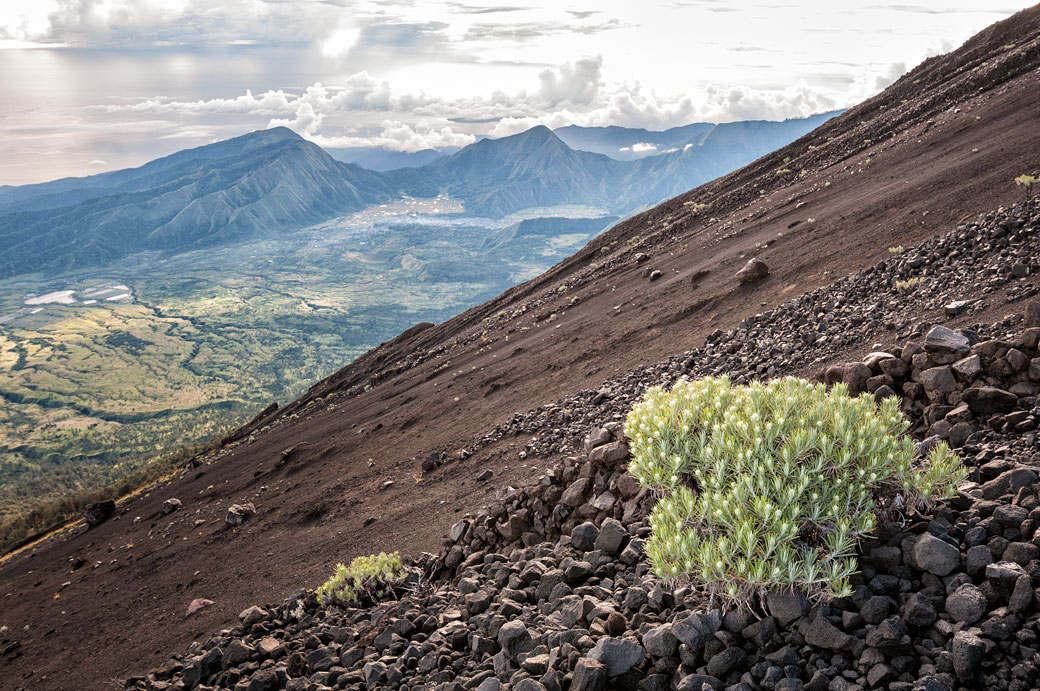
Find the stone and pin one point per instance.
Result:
(1004, 574)
(97, 513)
(1022, 596)
(977, 559)
(574, 495)
(270, 647)
(197, 604)
(939, 339)
(987, 400)
(919, 611)
(618, 654)
(786, 605)
(694, 631)
(968, 368)
(967, 604)
(597, 436)
(968, 650)
(819, 632)
(660, 641)
(589, 675)
(754, 270)
(761, 631)
(458, 530)
(583, 537)
(263, 680)
(236, 653)
(611, 536)
(697, 682)
(514, 638)
(1010, 515)
(954, 309)
(171, 505)
(1031, 317)
(936, 556)
(528, 685)
(722, 662)
(237, 513)
(856, 375)
(603, 502)
(251, 616)
(939, 379)
(609, 454)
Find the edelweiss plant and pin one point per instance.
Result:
(769, 486)
(367, 580)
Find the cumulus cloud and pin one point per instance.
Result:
(572, 93)
(305, 122)
(399, 136)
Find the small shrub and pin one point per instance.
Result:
(895, 250)
(367, 580)
(1027, 181)
(908, 283)
(769, 486)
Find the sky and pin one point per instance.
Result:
(88, 86)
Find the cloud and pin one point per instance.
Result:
(366, 111)
(306, 122)
(98, 162)
(639, 148)
(576, 83)
(399, 136)
(522, 31)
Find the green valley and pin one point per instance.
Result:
(106, 370)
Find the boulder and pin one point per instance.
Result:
(939, 379)
(936, 556)
(197, 604)
(618, 654)
(97, 513)
(237, 513)
(939, 339)
(967, 604)
(171, 505)
(583, 537)
(987, 400)
(968, 650)
(754, 270)
(252, 615)
(589, 675)
(787, 605)
(611, 536)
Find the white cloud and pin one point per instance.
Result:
(398, 136)
(576, 83)
(573, 93)
(98, 162)
(639, 148)
(305, 122)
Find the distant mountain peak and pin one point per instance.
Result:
(276, 133)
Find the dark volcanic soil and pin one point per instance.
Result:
(941, 145)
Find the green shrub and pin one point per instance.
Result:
(769, 486)
(1027, 181)
(367, 580)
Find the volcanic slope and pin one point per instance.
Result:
(941, 145)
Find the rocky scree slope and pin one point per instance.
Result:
(547, 589)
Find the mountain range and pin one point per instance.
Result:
(273, 180)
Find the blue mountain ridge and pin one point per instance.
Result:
(273, 180)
